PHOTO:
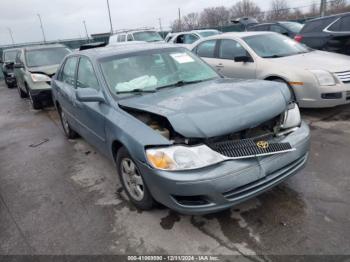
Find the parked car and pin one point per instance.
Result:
(331, 33)
(178, 132)
(34, 67)
(186, 39)
(7, 62)
(290, 29)
(136, 35)
(315, 78)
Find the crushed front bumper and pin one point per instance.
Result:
(221, 186)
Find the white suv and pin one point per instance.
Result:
(140, 35)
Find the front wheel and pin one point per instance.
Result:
(36, 103)
(132, 181)
(290, 88)
(21, 93)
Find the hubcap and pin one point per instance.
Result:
(132, 179)
(64, 122)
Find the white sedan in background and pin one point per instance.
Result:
(316, 78)
(187, 39)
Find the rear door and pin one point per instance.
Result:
(228, 50)
(91, 115)
(339, 36)
(65, 90)
(207, 51)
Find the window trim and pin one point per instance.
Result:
(219, 45)
(75, 71)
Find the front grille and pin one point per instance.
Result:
(248, 148)
(265, 183)
(343, 76)
(191, 200)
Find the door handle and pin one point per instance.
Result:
(219, 65)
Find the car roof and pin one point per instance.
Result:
(112, 50)
(327, 17)
(38, 47)
(10, 49)
(241, 34)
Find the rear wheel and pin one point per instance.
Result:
(68, 131)
(132, 181)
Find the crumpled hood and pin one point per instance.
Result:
(330, 62)
(214, 108)
(47, 70)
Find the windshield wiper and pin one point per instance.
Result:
(137, 90)
(274, 56)
(182, 83)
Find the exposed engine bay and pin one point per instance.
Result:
(160, 124)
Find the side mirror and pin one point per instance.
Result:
(89, 95)
(244, 59)
(18, 65)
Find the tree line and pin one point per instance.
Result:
(279, 10)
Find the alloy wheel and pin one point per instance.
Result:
(132, 179)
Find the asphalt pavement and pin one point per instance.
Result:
(60, 196)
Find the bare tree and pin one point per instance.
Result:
(279, 10)
(314, 10)
(177, 26)
(245, 8)
(214, 16)
(191, 21)
(297, 14)
(336, 6)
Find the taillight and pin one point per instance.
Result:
(298, 38)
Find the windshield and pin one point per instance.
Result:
(10, 56)
(45, 57)
(274, 45)
(292, 26)
(155, 70)
(208, 33)
(147, 36)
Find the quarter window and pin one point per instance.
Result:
(130, 37)
(207, 49)
(230, 49)
(86, 75)
(68, 72)
(342, 25)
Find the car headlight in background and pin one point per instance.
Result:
(40, 78)
(182, 157)
(323, 77)
(291, 117)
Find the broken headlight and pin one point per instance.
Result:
(40, 78)
(182, 157)
(291, 117)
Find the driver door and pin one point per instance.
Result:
(225, 62)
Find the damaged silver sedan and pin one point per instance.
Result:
(179, 133)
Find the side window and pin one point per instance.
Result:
(180, 39)
(342, 25)
(190, 39)
(18, 57)
(317, 25)
(278, 29)
(86, 75)
(130, 38)
(207, 49)
(118, 38)
(122, 38)
(229, 49)
(68, 72)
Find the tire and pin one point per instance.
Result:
(21, 93)
(290, 88)
(132, 181)
(36, 103)
(68, 131)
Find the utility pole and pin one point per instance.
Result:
(323, 7)
(42, 28)
(180, 24)
(110, 17)
(10, 32)
(160, 25)
(87, 35)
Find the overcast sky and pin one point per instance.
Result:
(63, 18)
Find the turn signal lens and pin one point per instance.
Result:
(160, 160)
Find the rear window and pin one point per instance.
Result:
(342, 25)
(10, 56)
(317, 25)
